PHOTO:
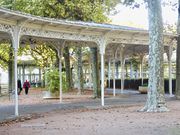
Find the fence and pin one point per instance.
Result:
(135, 83)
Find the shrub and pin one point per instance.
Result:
(52, 79)
(145, 85)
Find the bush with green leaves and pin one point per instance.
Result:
(52, 79)
(145, 85)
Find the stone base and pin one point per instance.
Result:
(49, 95)
(143, 89)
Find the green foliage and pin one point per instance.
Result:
(170, 28)
(145, 85)
(4, 55)
(52, 78)
(83, 10)
(135, 62)
(43, 55)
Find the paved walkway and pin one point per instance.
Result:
(128, 97)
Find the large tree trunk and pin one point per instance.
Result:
(67, 66)
(95, 72)
(80, 70)
(178, 57)
(155, 97)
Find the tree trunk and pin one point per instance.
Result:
(56, 64)
(80, 70)
(155, 97)
(117, 70)
(178, 57)
(126, 68)
(67, 66)
(44, 78)
(10, 76)
(95, 72)
(10, 71)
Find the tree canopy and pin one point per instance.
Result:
(84, 10)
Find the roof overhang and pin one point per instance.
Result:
(48, 29)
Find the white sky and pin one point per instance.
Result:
(138, 17)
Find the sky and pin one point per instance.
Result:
(138, 17)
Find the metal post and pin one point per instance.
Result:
(114, 80)
(142, 77)
(122, 68)
(90, 74)
(23, 77)
(170, 71)
(0, 84)
(131, 71)
(109, 75)
(102, 47)
(141, 67)
(15, 77)
(30, 74)
(60, 75)
(15, 39)
(102, 79)
(122, 75)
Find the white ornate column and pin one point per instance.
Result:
(131, 71)
(60, 74)
(117, 69)
(109, 75)
(15, 40)
(169, 56)
(90, 73)
(141, 68)
(30, 74)
(102, 47)
(122, 67)
(59, 47)
(114, 71)
(114, 78)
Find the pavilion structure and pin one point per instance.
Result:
(113, 42)
(26, 71)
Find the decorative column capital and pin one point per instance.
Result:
(122, 49)
(16, 37)
(102, 43)
(169, 52)
(59, 45)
